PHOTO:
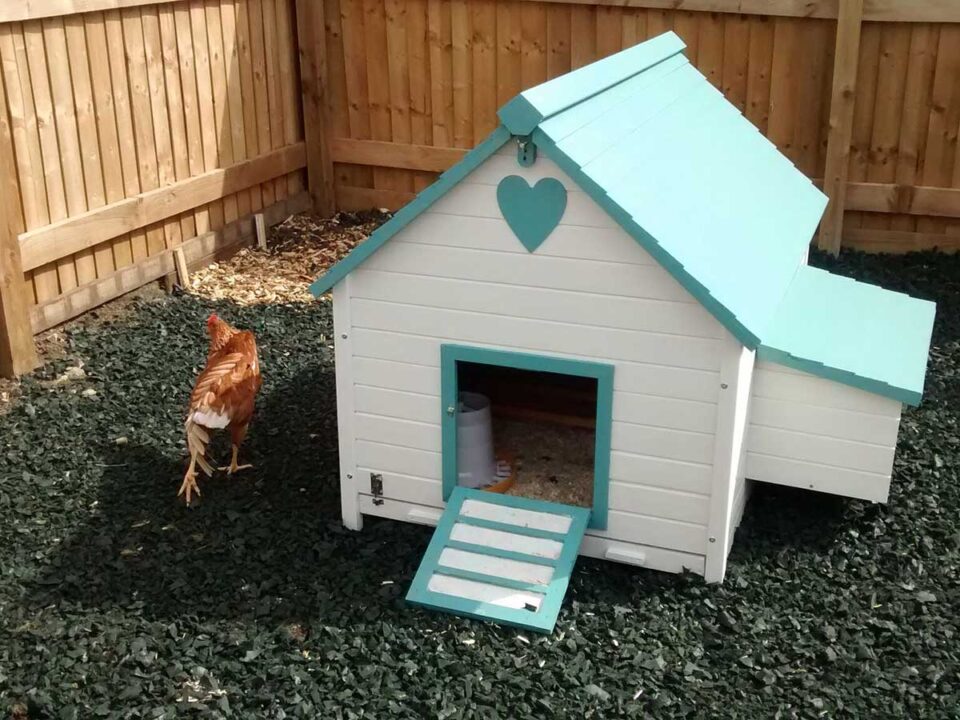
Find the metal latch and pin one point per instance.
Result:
(526, 151)
(376, 488)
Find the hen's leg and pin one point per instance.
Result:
(234, 467)
(190, 479)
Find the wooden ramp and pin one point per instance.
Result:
(500, 558)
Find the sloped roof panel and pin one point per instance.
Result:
(852, 332)
(703, 184)
(528, 109)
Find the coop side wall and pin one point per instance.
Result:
(813, 433)
(459, 275)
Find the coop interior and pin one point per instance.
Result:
(544, 426)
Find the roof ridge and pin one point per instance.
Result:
(531, 107)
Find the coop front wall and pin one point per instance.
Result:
(458, 275)
(813, 433)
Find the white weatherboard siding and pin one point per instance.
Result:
(457, 274)
(813, 433)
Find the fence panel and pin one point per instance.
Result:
(138, 127)
(412, 83)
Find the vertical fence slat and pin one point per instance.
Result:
(61, 93)
(17, 352)
(140, 105)
(247, 93)
(709, 52)
(26, 138)
(842, 99)
(274, 89)
(124, 252)
(234, 91)
(864, 106)
(208, 123)
(398, 82)
(162, 130)
(508, 51)
(313, 81)
(261, 89)
(558, 40)
(736, 57)
(583, 36)
(336, 92)
(222, 119)
(174, 96)
(441, 70)
(888, 108)
(289, 63)
(109, 144)
(944, 119)
(759, 69)
(484, 36)
(419, 78)
(533, 30)
(609, 30)
(912, 138)
(462, 75)
(34, 75)
(687, 26)
(191, 112)
(811, 76)
(87, 131)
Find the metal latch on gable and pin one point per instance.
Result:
(526, 151)
(376, 488)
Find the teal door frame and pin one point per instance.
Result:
(451, 355)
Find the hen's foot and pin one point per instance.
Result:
(233, 466)
(189, 486)
(231, 469)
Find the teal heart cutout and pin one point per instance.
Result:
(531, 212)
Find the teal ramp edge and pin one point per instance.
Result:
(552, 591)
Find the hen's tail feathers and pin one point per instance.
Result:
(197, 440)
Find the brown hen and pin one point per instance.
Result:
(223, 397)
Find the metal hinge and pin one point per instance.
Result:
(376, 488)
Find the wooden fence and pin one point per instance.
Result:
(132, 128)
(412, 82)
(130, 132)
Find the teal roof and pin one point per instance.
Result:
(852, 332)
(683, 172)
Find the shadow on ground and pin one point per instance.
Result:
(265, 544)
(249, 534)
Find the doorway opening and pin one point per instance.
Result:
(528, 426)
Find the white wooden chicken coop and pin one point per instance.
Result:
(622, 260)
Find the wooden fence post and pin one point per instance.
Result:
(842, 100)
(17, 352)
(311, 34)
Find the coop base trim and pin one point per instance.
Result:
(593, 546)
